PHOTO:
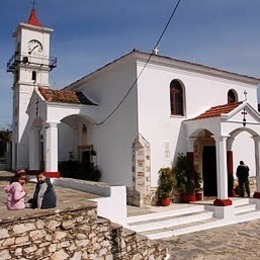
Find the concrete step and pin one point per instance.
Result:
(181, 229)
(170, 221)
(165, 213)
(247, 208)
(240, 201)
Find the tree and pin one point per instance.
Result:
(5, 137)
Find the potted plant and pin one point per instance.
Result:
(184, 173)
(166, 184)
(198, 188)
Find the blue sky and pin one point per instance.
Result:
(90, 33)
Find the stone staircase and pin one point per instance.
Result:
(195, 217)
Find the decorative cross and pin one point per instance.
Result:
(34, 3)
(156, 50)
(245, 93)
(37, 107)
(244, 113)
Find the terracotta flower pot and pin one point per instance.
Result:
(198, 196)
(165, 202)
(187, 198)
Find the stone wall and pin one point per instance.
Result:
(140, 193)
(71, 233)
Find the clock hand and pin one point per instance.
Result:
(33, 49)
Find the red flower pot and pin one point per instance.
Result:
(187, 198)
(198, 196)
(165, 202)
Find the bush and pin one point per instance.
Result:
(166, 183)
(76, 170)
(184, 173)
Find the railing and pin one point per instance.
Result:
(25, 59)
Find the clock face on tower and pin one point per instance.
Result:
(34, 47)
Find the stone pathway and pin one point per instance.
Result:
(233, 242)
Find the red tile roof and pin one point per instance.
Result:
(33, 19)
(218, 110)
(65, 96)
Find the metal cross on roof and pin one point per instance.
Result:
(34, 3)
(245, 93)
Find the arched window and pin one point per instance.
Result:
(176, 96)
(232, 96)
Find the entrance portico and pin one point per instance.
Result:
(44, 125)
(224, 124)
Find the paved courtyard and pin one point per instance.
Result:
(239, 241)
(65, 197)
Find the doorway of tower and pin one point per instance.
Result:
(209, 168)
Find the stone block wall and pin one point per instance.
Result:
(71, 233)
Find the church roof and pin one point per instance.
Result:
(65, 96)
(33, 18)
(218, 110)
(168, 61)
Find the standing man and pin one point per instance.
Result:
(242, 175)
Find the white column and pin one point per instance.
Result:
(51, 146)
(34, 149)
(257, 161)
(222, 178)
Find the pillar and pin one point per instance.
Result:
(51, 149)
(231, 191)
(257, 165)
(222, 180)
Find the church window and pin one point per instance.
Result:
(34, 75)
(176, 98)
(232, 96)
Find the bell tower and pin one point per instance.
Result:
(30, 65)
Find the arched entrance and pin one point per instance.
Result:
(205, 160)
(77, 157)
(226, 125)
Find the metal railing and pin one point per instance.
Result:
(25, 59)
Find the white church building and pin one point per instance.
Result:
(135, 116)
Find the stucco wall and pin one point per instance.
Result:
(113, 139)
(200, 91)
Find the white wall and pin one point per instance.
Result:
(113, 139)
(67, 140)
(201, 92)
(246, 154)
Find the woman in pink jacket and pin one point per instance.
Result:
(16, 192)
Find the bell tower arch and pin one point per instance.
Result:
(30, 65)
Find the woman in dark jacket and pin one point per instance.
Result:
(44, 196)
